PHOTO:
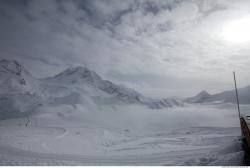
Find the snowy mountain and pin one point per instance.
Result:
(20, 92)
(199, 98)
(226, 96)
(85, 81)
(17, 90)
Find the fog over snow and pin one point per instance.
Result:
(149, 45)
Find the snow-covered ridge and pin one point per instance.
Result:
(199, 98)
(223, 97)
(85, 79)
(76, 75)
(11, 72)
(20, 92)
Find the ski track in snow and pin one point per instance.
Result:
(168, 158)
(197, 142)
(55, 140)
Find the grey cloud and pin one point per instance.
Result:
(208, 7)
(156, 42)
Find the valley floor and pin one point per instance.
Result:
(193, 138)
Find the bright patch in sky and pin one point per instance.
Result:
(237, 31)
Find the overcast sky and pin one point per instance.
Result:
(159, 47)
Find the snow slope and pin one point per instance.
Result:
(66, 135)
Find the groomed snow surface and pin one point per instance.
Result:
(195, 134)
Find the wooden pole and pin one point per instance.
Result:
(236, 94)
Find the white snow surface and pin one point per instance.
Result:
(123, 135)
(77, 118)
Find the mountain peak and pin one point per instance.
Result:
(203, 93)
(79, 71)
(77, 75)
(200, 97)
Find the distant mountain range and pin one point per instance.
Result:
(21, 93)
(223, 97)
